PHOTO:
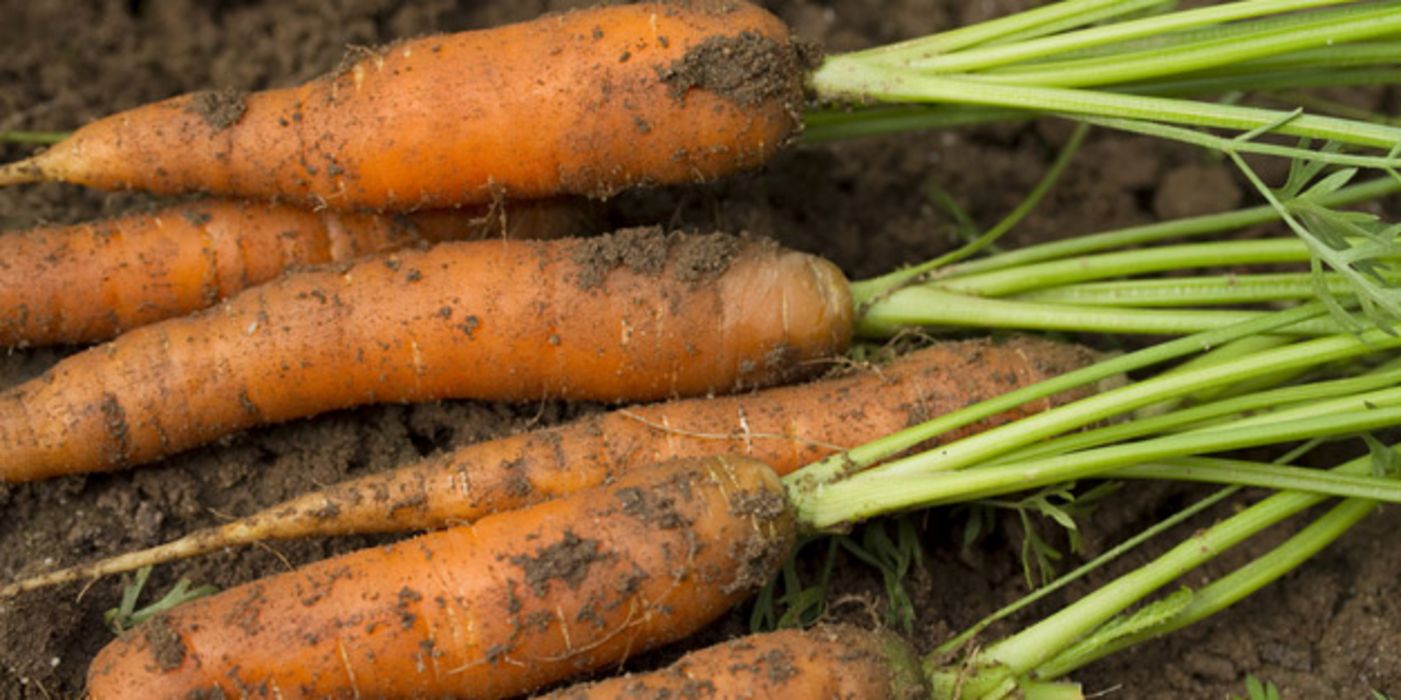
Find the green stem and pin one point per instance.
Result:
(43, 138)
(1228, 590)
(1308, 31)
(1055, 15)
(963, 638)
(1128, 262)
(1152, 233)
(1037, 644)
(823, 472)
(863, 292)
(916, 56)
(1261, 475)
(860, 81)
(875, 493)
(1174, 421)
(1191, 291)
(915, 307)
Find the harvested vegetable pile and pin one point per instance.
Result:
(865, 205)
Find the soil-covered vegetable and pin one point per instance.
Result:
(611, 318)
(587, 102)
(870, 206)
(494, 609)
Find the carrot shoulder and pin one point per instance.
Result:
(88, 282)
(633, 316)
(518, 601)
(587, 102)
(836, 662)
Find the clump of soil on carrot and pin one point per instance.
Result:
(648, 250)
(220, 109)
(870, 206)
(748, 69)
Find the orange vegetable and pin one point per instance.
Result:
(89, 282)
(784, 427)
(634, 316)
(587, 102)
(823, 662)
(515, 602)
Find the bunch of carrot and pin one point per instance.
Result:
(672, 93)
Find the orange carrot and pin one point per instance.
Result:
(587, 102)
(87, 283)
(835, 662)
(519, 600)
(784, 427)
(639, 315)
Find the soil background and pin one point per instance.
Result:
(1331, 629)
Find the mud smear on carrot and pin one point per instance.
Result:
(647, 250)
(220, 109)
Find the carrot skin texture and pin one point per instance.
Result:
(452, 321)
(827, 662)
(515, 602)
(572, 103)
(784, 427)
(89, 282)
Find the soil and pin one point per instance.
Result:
(1330, 629)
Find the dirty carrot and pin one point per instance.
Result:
(517, 601)
(638, 315)
(784, 427)
(88, 282)
(834, 661)
(587, 102)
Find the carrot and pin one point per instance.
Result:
(588, 102)
(835, 662)
(89, 282)
(635, 316)
(519, 600)
(784, 427)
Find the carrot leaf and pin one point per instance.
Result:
(126, 615)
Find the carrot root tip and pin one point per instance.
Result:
(21, 172)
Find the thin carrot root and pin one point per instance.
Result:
(834, 661)
(518, 601)
(21, 172)
(780, 427)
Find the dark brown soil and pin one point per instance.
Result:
(1329, 630)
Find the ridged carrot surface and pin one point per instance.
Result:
(628, 317)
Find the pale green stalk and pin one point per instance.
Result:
(833, 468)
(936, 56)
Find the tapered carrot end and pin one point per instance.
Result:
(21, 172)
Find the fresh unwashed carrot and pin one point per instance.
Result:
(784, 427)
(89, 282)
(517, 601)
(587, 102)
(639, 315)
(837, 662)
